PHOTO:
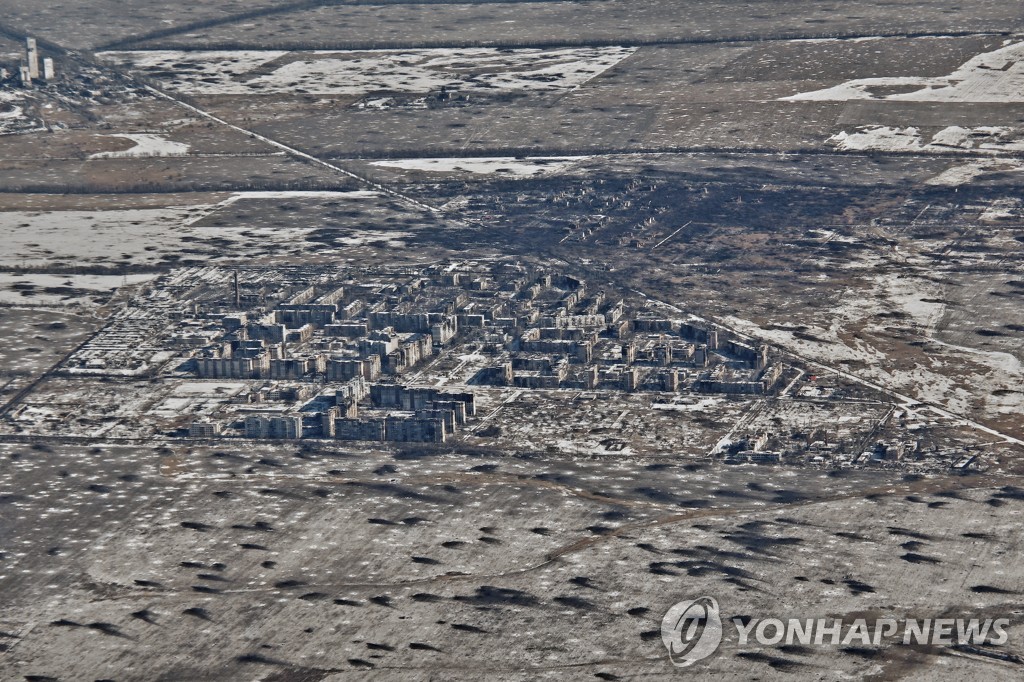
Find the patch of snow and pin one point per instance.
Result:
(830, 347)
(908, 295)
(377, 103)
(878, 138)
(146, 144)
(693, 406)
(996, 76)
(1002, 209)
(466, 70)
(986, 139)
(362, 237)
(210, 64)
(962, 174)
(47, 289)
(301, 194)
(46, 237)
(209, 388)
(14, 120)
(505, 165)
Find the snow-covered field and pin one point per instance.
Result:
(505, 165)
(12, 112)
(467, 70)
(962, 379)
(963, 173)
(992, 77)
(986, 139)
(1002, 209)
(83, 236)
(299, 194)
(996, 76)
(47, 289)
(146, 144)
(41, 238)
(218, 65)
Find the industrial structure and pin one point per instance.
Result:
(33, 67)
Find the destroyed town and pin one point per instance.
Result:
(511, 340)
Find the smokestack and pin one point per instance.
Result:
(238, 292)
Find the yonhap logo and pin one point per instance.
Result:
(691, 631)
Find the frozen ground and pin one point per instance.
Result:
(857, 335)
(990, 77)
(995, 77)
(964, 173)
(146, 144)
(298, 194)
(984, 139)
(322, 561)
(257, 564)
(467, 70)
(146, 236)
(44, 289)
(503, 166)
(13, 118)
(9, 108)
(132, 236)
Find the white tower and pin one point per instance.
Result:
(48, 72)
(33, 57)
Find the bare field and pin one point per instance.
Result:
(86, 24)
(725, 95)
(105, 202)
(526, 23)
(152, 232)
(181, 174)
(469, 561)
(34, 340)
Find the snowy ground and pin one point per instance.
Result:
(853, 336)
(144, 236)
(298, 194)
(991, 77)
(506, 165)
(963, 173)
(146, 144)
(12, 112)
(9, 109)
(46, 289)
(986, 139)
(468, 70)
(33, 238)
(996, 76)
